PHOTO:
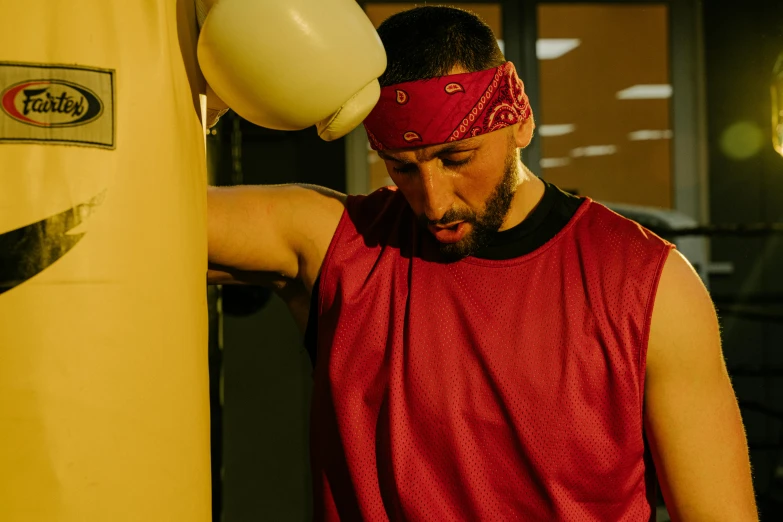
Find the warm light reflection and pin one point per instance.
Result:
(741, 140)
(306, 27)
(649, 134)
(548, 163)
(593, 150)
(551, 48)
(555, 130)
(645, 92)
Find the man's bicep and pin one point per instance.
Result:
(267, 230)
(692, 419)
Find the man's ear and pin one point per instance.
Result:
(523, 132)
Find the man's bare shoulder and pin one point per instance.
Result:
(683, 310)
(692, 418)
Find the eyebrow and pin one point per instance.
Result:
(385, 156)
(450, 149)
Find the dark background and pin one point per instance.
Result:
(741, 43)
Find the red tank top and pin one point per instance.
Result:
(482, 390)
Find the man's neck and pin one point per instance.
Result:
(528, 195)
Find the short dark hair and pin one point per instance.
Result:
(427, 42)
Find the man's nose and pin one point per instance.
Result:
(436, 189)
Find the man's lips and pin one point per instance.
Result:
(450, 234)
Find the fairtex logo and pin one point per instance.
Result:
(51, 103)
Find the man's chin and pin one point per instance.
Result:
(451, 252)
(475, 240)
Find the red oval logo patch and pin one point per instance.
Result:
(402, 96)
(451, 88)
(411, 136)
(51, 103)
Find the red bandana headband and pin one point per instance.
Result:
(448, 108)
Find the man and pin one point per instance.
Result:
(488, 347)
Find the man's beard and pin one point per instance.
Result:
(485, 225)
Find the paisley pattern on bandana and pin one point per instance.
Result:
(448, 108)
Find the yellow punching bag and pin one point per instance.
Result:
(103, 379)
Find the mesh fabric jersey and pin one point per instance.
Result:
(484, 389)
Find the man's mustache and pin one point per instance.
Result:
(449, 217)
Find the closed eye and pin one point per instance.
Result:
(406, 168)
(453, 163)
(455, 158)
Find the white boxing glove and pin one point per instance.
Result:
(291, 64)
